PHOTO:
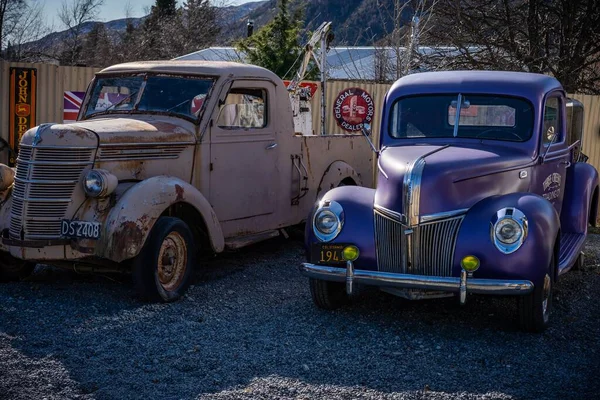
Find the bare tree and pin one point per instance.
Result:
(29, 26)
(557, 37)
(73, 15)
(10, 12)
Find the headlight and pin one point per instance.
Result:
(508, 229)
(328, 220)
(99, 183)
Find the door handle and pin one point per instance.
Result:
(567, 164)
(271, 146)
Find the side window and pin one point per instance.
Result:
(244, 109)
(552, 123)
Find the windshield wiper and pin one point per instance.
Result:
(122, 101)
(179, 105)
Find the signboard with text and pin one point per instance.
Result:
(22, 96)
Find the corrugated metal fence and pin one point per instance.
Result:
(52, 82)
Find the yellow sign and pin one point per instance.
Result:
(23, 85)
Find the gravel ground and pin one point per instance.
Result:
(247, 329)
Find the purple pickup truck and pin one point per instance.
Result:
(481, 188)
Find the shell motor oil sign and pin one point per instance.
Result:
(21, 104)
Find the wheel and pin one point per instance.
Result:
(328, 295)
(535, 307)
(164, 268)
(13, 269)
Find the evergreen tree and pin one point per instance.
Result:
(275, 46)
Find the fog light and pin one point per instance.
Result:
(350, 253)
(470, 263)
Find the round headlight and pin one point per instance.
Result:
(508, 231)
(328, 220)
(99, 183)
(93, 183)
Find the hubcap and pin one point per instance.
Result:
(172, 261)
(546, 299)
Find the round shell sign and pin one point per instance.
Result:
(352, 108)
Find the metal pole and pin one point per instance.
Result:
(323, 67)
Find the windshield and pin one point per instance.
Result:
(481, 117)
(162, 94)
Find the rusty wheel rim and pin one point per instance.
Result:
(172, 261)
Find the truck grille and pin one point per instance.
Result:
(45, 181)
(433, 246)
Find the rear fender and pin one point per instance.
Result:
(131, 219)
(337, 172)
(358, 228)
(531, 260)
(578, 207)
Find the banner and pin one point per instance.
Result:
(72, 103)
(21, 105)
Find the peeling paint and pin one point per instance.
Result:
(180, 192)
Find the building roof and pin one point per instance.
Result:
(193, 67)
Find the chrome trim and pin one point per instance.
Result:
(446, 284)
(338, 211)
(443, 215)
(412, 190)
(463, 286)
(381, 168)
(519, 217)
(59, 147)
(153, 144)
(389, 214)
(42, 199)
(349, 277)
(54, 163)
(44, 182)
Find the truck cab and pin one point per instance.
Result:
(481, 188)
(167, 160)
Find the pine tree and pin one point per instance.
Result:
(275, 46)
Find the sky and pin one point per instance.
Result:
(112, 9)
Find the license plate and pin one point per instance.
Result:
(324, 253)
(80, 229)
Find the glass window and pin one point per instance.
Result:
(160, 94)
(481, 117)
(551, 125)
(243, 108)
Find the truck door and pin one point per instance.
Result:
(550, 175)
(244, 154)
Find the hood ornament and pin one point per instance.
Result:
(38, 134)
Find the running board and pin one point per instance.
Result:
(570, 247)
(242, 241)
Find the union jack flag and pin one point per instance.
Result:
(72, 104)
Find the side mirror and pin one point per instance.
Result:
(366, 131)
(550, 134)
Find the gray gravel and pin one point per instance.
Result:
(247, 329)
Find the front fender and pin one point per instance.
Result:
(131, 219)
(358, 229)
(578, 205)
(531, 260)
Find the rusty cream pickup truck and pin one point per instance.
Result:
(167, 160)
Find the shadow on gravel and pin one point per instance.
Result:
(247, 329)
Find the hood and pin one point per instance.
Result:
(108, 131)
(451, 177)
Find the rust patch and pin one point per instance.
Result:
(131, 235)
(180, 191)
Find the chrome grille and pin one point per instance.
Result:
(432, 246)
(45, 181)
(126, 153)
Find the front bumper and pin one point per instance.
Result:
(406, 281)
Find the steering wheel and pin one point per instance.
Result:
(503, 132)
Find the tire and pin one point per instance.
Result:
(13, 269)
(535, 308)
(328, 295)
(163, 270)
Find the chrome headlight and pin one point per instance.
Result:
(99, 183)
(508, 229)
(328, 220)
